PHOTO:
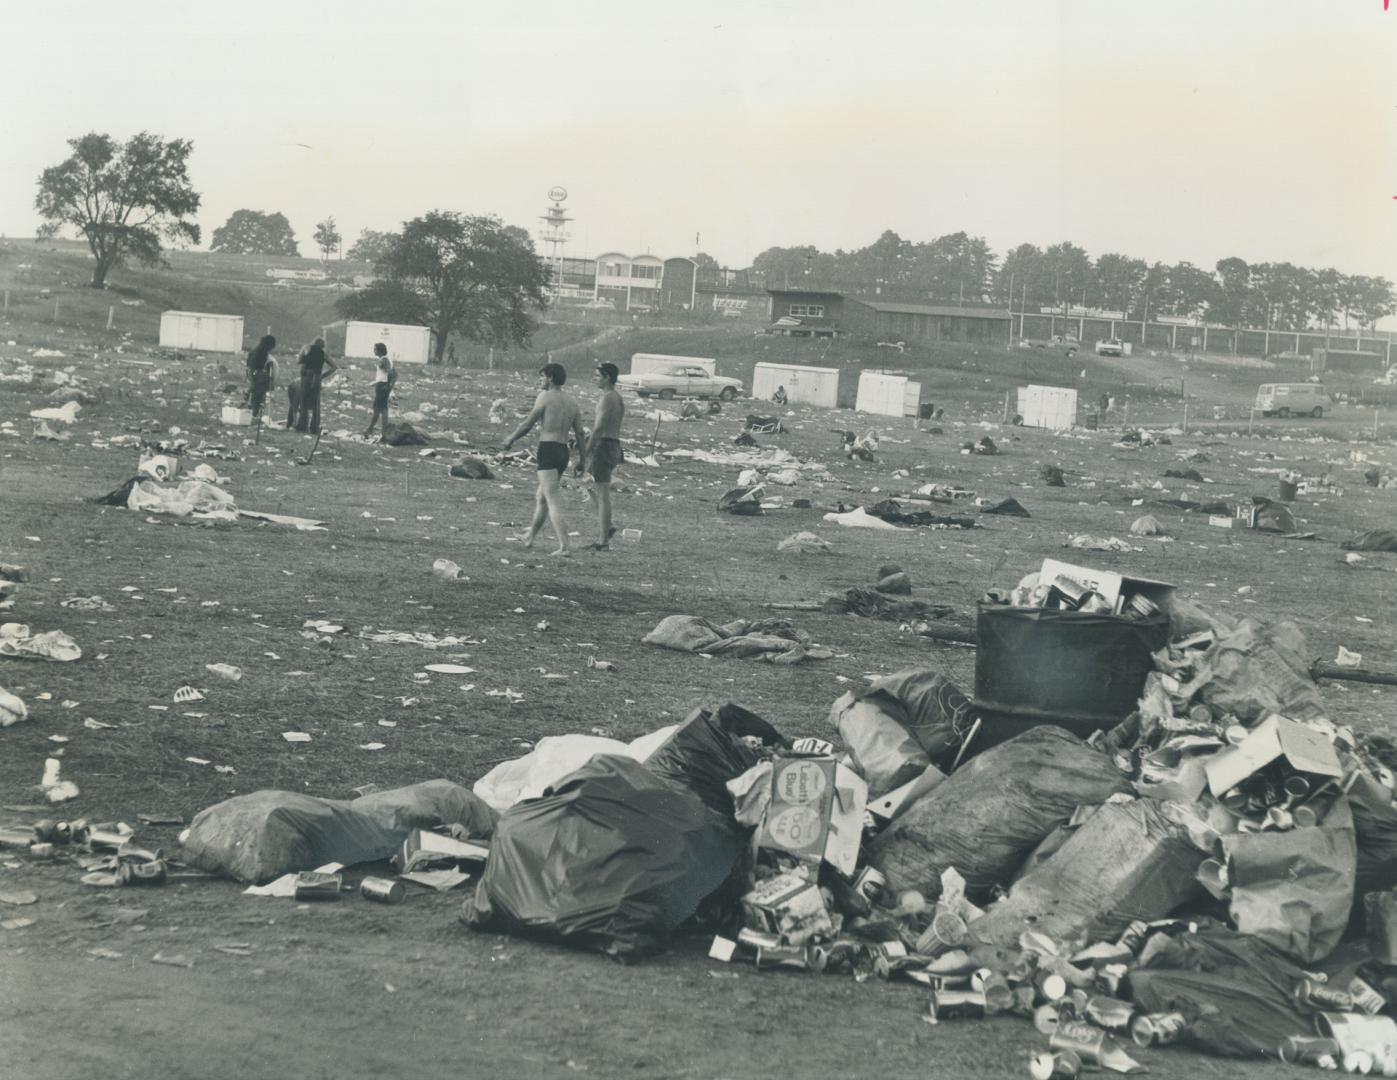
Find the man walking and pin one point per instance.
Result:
(603, 451)
(556, 414)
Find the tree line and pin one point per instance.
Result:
(959, 267)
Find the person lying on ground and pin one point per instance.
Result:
(555, 413)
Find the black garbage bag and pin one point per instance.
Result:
(1235, 991)
(743, 501)
(401, 433)
(120, 496)
(929, 706)
(612, 858)
(989, 814)
(1271, 516)
(708, 749)
(1010, 507)
(1051, 475)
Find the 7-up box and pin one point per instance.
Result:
(816, 812)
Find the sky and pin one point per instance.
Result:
(1180, 130)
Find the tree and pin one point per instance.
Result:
(370, 247)
(1229, 303)
(1117, 281)
(327, 237)
(1372, 299)
(459, 274)
(251, 232)
(124, 199)
(704, 261)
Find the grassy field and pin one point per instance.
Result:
(373, 990)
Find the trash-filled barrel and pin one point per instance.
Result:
(1083, 671)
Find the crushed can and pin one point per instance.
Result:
(1064, 1065)
(1158, 1029)
(382, 890)
(1092, 1045)
(150, 872)
(1110, 1013)
(311, 885)
(1133, 936)
(999, 996)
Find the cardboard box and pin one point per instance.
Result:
(788, 906)
(1302, 748)
(1221, 521)
(816, 812)
(423, 849)
(1113, 587)
(236, 417)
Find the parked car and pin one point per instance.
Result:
(1109, 347)
(1292, 399)
(1058, 342)
(680, 380)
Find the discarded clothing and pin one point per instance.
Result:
(401, 433)
(1184, 474)
(774, 640)
(859, 519)
(804, 543)
(472, 469)
(1373, 540)
(742, 501)
(1098, 543)
(890, 510)
(17, 641)
(873, 604)
(552, 758)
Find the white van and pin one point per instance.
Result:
(1292, 399)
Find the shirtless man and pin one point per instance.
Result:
(603, 452)
(556, 413)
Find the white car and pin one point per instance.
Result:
(1110, 347)
(681, 380)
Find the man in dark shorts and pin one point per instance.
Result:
(604, 449)
(556, 414)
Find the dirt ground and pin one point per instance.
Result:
(195, 979)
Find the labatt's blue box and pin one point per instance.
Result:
(816, 812)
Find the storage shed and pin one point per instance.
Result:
(888, 395)
(1051, 407)
(643, 363)
(202, 331)
(406, 344)
(812, 385)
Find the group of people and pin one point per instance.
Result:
(303, 392)
(557, 415)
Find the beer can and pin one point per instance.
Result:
(1366, 997)
(794, 956)
(1050, 985)
(999, 997)
(1023, 999)
(314, 886)
(1307, 1050)
(1050, 1066)
(1046, 1019)
(1309, 994)
(1158, 1029)
(1082, 1039)
(947, 930)
(870, 884)
(382, 890)
(142, 873)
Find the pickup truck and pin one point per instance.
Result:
(1066, 345)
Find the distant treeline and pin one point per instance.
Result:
(959, 267)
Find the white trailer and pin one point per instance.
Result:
(406, 344)
(812, 385)
(888, 395)
(202, 331)
(642, 363)
(1051, 407)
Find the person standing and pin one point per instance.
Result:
(556, 414)
(603, 451)
(385, 376)
(315, 367)
(261, 367)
